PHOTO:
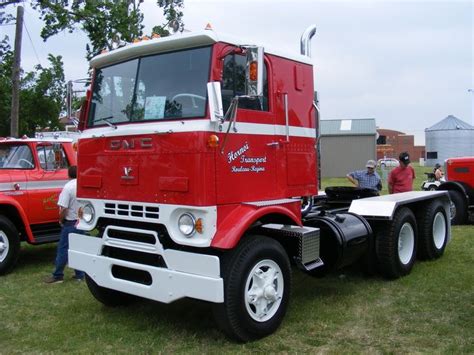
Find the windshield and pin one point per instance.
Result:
(158, 87)
(16, 157)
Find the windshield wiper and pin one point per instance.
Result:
(106, 120)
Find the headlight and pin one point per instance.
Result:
(187, 224)
(88, 213)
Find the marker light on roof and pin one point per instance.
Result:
(208, 27)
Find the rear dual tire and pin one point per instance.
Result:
(433, 231)
(395, 245)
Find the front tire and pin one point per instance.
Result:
(433, 231)
(9, 245)
(108, 297)
(395, 245)
(257, 284)
(458, 208)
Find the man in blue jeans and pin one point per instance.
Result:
(68, 207)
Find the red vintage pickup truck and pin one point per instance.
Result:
(32, 174)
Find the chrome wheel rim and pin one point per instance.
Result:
(406, 243)
(264, 290)
(452, 210)
(4, 246)
(439, 230)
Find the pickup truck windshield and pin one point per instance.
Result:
(16, 156)
(158, 87)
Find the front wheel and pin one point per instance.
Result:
(108, 297)
(395, 244)
(257, 284)
(9, 245)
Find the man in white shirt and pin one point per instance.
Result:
(68, 207)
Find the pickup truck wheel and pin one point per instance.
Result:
(108, 297)
(257, 283)
(9, 245)
(395, 244)
(433, 231)
(458, 208)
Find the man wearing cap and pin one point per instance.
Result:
(368, 179)
(401, 178)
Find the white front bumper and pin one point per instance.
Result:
(187, 274)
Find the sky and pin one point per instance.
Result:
(408, 64)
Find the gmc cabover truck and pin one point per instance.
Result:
(191, 202)
(32, 173)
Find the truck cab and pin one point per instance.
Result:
(33, 172)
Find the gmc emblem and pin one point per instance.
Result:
(139, 143)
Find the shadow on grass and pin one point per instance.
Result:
(194, 318)
(35, 256)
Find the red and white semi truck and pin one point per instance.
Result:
(189, 202)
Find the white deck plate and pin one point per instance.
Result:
(384, 206)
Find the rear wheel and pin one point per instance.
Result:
(257, 283)
(457, 208)
(9, 245)
(433, 231)
(396, 244)
(107, 296)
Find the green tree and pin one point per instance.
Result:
(42, 93)
(106, 22)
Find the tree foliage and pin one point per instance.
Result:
(106, 22)
(42, 93)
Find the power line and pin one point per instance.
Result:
(34, 49)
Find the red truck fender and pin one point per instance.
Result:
(5, 200)
(238, 221)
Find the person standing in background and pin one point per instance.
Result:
(401, 178)
(68, 207)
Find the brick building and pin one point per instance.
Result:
(391, 143)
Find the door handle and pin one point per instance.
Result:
(273, 144)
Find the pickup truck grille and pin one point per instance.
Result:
(132, 210)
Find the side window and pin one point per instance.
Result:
(52, 157)
(233, 83)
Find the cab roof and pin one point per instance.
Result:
(35, 140)
(181, 41)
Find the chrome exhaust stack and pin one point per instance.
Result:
(306, 40)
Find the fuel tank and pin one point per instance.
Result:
(345, 238)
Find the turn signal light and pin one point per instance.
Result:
(253, 72)
(213, 141)
(199, 227)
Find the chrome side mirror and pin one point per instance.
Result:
(254, 71)
(216, 111)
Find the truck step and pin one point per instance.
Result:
(46, 232)
(313, 265)
(48, 238)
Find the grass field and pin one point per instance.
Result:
(429, 311)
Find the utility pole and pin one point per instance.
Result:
(16, 74)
